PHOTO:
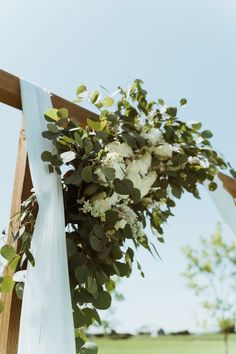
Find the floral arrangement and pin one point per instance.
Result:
(122, 171)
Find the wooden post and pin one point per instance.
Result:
(10, 318)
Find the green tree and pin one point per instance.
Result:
(211, 274)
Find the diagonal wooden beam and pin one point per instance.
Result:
(10, 94)
(229, 184)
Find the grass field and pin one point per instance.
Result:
(205, 344)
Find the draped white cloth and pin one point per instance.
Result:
(225, 204)
(46, 325)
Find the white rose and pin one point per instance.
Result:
(68, 156)
(124, 150)
(163, 151)
(143, 183)
(153, 137)
(120, 224)
(139, 166)
(147, 183)
(103, 204)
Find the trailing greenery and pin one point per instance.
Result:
(122, 171)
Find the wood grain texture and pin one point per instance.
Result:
(10, 318)
(229, 183)
(10, 94)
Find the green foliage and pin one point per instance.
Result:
(8, 252)
(126, 165)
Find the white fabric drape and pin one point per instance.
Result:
(225, 204)
(46, 325)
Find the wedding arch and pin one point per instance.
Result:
(10, 95)
(126, 153)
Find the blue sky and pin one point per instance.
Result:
(180, 49)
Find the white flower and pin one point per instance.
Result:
(139, 166)
(163, 151)
(176, 148)
(163, 108)
(119, 170)
(120, 224)
(147, 183)
(68, 156)
(102, 204)
(153, 137)
(99, 204)
(137, 229)
(193, 160)
(20, 276)
(127, 212)
(112, 157)
(123, 149)
(144, 183)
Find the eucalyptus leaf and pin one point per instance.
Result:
(102, 301)
(51, 114)
(8, 252)
(94, 97)
(88, 146)
(109, 172)
(183, 101)
(96, 243)
(63, 113)
(87, 174)
(108, 101)
(91, 285)
(71, 247)
(19, 290)
(123, 187)
(80, 89)
(82, 273)
(206, 134)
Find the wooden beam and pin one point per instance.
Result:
(10, 94)
(229, 184)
